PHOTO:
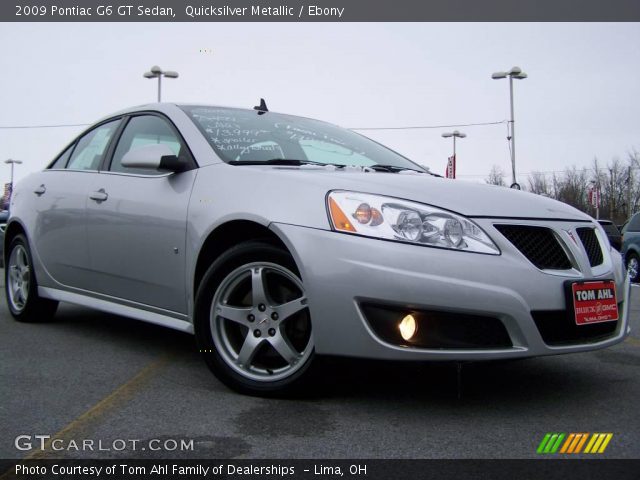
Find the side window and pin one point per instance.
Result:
(634, 224)
(92, 146)
(144, 130)
(61, 161)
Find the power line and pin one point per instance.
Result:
(6, 127)
(412, 127)
(422, 127)
(547, 172)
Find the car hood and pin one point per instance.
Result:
(467, 198)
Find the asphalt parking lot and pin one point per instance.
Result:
(90, 375)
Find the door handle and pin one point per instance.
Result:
(40, 190)
(99, 196)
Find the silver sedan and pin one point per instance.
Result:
(276, 238)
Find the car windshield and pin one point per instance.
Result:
(251, 137)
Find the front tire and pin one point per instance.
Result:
(252, 321)
(21, 288)
(633, 267)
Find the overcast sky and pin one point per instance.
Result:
(581, 100)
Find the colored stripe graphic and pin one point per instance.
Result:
(567, 443)
(577, 438)
(550, 443)
(555, 447)
(591, 442)
(573, 443)
(603, 447)
(581, 443)
(543, 443)
(598, 442)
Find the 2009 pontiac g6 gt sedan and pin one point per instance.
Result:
(276, 238)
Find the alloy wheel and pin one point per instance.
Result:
(260, 322)
(19, 278)
(632, 267)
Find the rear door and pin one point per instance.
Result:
(60, 236)
(136, 222)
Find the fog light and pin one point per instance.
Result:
(408, 327)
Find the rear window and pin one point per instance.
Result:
(609, 227)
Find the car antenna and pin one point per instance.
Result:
(262, 108)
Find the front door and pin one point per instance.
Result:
(136, 223)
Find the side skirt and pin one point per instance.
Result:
(116, 308)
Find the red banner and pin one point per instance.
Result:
(594, 195)
(451, 167)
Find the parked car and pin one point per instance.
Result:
(631, 246)
(275, 239)
(613, 233)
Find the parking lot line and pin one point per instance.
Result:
(115, 399)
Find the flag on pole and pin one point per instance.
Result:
(594, 195)
(451, 167)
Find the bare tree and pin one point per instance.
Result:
(618, 181)
(538, 184)
(572, 188)
(496, 176)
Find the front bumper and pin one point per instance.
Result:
(341, 272)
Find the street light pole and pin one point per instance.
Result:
(455, 134)
(157, 72)
(518, 74)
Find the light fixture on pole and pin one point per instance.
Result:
(518, 74)
(12, 162)
(157, 72)
(451, 165)
(455, 134)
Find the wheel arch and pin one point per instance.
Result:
(227, 235)
(13, 228)
(631, 249)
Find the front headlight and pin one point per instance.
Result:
(393, 219)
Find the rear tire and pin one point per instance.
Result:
(21, 287)
(633, 267)
(252, 323)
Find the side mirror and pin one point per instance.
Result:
(155, 156)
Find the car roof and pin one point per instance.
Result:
(168, 108)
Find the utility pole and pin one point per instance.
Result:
(629, 186)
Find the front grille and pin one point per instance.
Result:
(538, 244)
(437, 329)
(591, 245)
(557, 328)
